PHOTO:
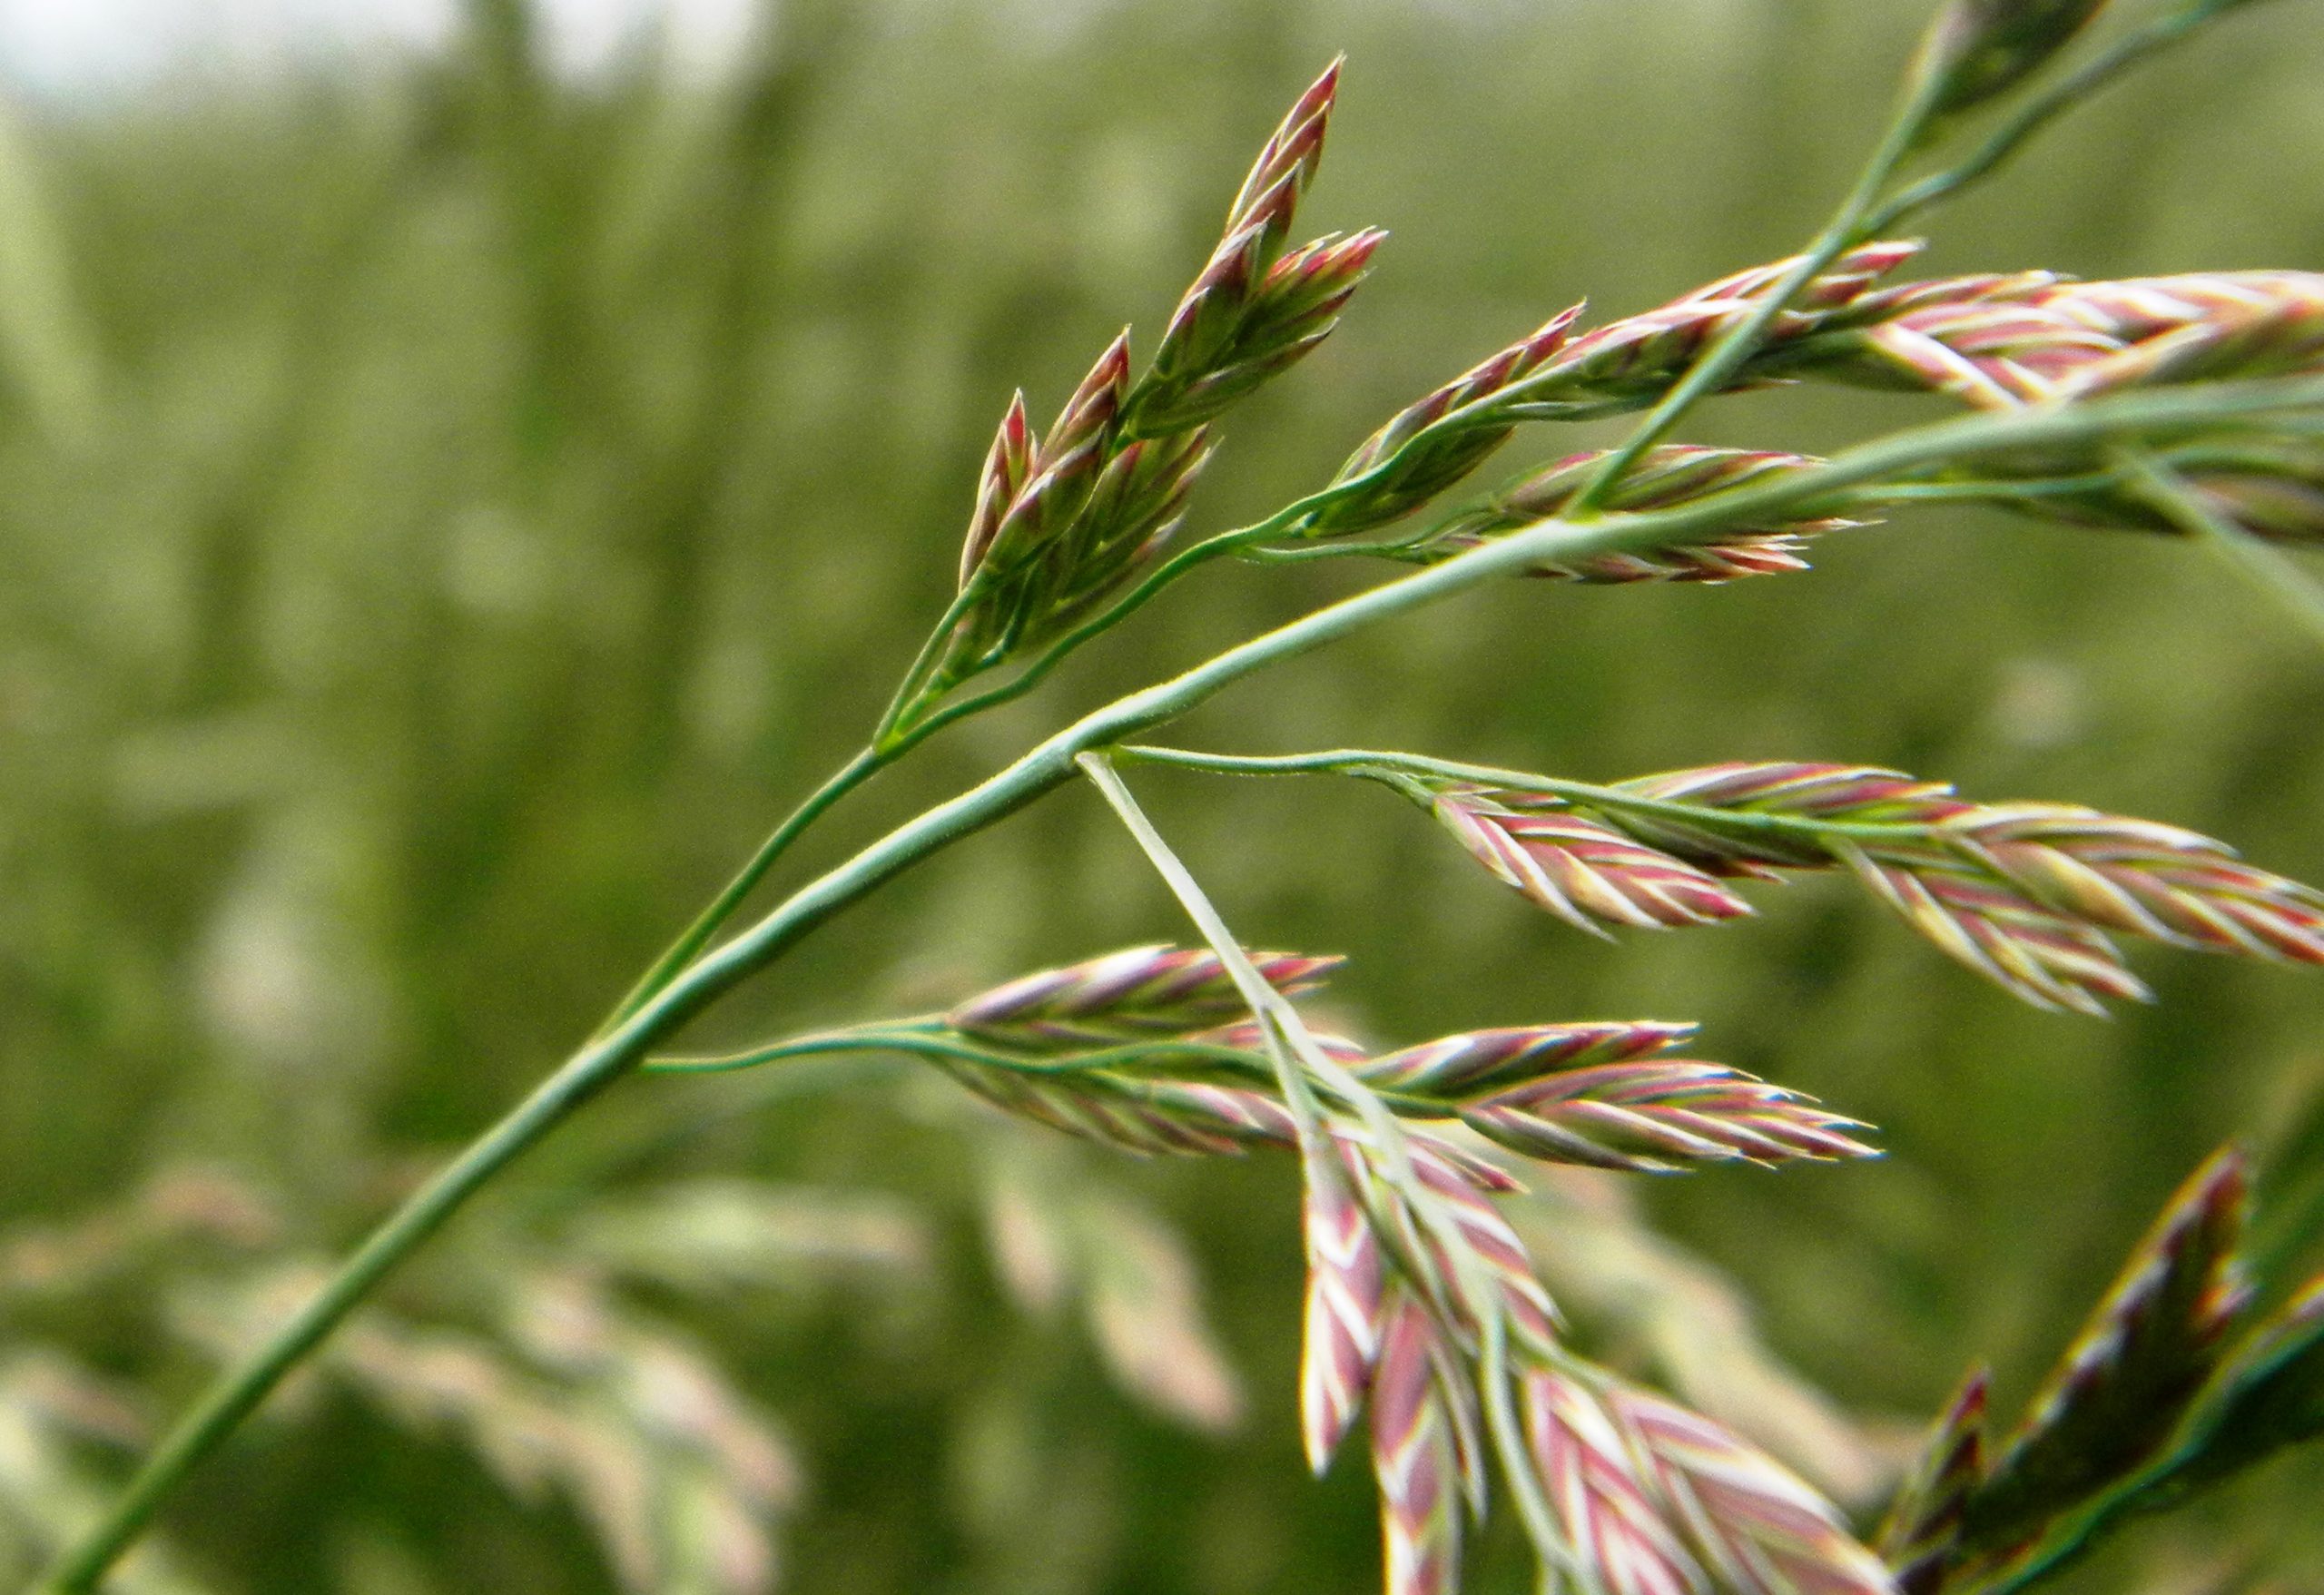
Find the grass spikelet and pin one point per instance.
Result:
(2025, 893)
(1444, 458)
(1480, 1062)
(1756, 1527)
(1656, 1116)
(1421, 1440)
(1184, 1120)
(1293, 308)
(1531, 1315)
(2032, 339)
(1585, 872)
(1923, 1526)
(1342, 1321)
(1671, 475)
(1631, 362)
(1008, 468)
(1610, 1520)
(2144, 878)
(2121, 1388)
(1254, 310)
(1135, 994)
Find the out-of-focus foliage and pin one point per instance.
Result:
(446, 510)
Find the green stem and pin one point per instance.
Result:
(2248, 557)
(2038, 112)
(239, 1391)
(1296, 1056)
(935, 1041)
(915, 731)
(706, 924)
(1846, 229)
(1298, 1060)
(1389, 767)
(1551, 1547)
(914, 687)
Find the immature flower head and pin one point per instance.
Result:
(1254, 310)
(1977, 49)
(1923, 1526)
(1431, 467)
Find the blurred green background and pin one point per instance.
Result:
(449, 505)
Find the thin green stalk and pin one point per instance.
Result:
(1554, 1552)
(239, 1391)
(1395, 769)
(915, 731)
(1725, 356)
(1297, 1056)
(1297, 1059)
(706, 924)
(914, 687)
(2246, 554)
(933, 1040)
(2034, 115)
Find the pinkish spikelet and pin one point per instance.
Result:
(1671, 475)
(1416, 1452)
(1006, 468)
(1436, 465)
(2044, 959)
(1619, 1537)
(2029, 340)
(1216, 307)
(1087, 421)
(1205, 1122)
(1632, 361)
(1139, 993)
(1752, 1524)
(2152, 1343)
(2024, 893)
(1479, 1062)
(1230, 336)
(1918, 1536)
(1657, 1116)
(1580, 870)
(1342, 1315)
(2146, 880)
(1294, 148)
(1533, 1317)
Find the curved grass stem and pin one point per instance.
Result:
(1847, 228)
(2262, 566)
(656, 1018)
(2074, 89)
